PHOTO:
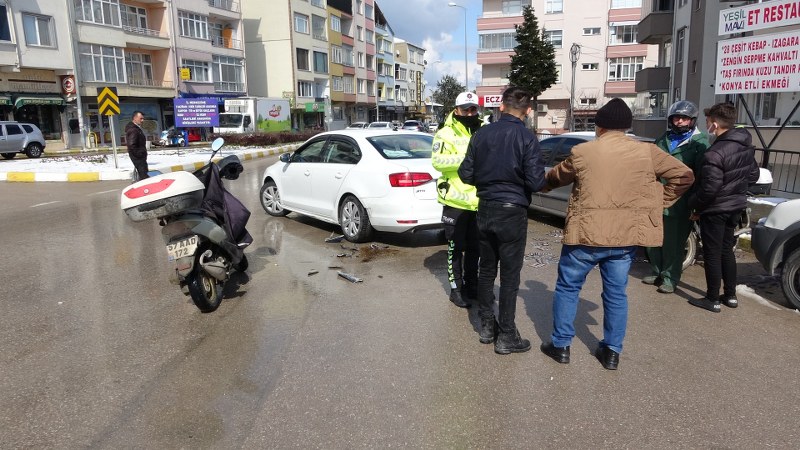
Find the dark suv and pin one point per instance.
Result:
(18, 137)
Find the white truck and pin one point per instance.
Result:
(254, 115)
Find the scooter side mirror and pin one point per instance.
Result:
(217, 144)
(285, 157)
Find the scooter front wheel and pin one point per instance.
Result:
(205, 290)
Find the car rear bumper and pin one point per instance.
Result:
(763, 242)
(418, 215)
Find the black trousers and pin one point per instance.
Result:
(462, 250)
(719, 263)
(140, 164)
(503, 230)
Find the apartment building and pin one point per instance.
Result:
(35, 59)
(409, 71)
(605, 67)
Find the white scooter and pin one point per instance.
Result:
(203, 225)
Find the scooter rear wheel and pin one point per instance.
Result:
(205, 290)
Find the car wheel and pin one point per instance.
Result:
(354, 220)
(692, 246)
(9, 155)
(271, 200)
(34, 150)
(790, 278)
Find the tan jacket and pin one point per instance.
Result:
(617, 199)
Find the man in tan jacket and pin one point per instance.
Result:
(616, 205)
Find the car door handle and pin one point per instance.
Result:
(338, 175)
(307, 173)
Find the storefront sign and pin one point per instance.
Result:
(186, 73)
(491, 101)
(67, 84)
(315, 107)
(766, 63)
(196, 112)
(759, 16)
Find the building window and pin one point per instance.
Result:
(554, 37)
(320, 62)
(193, 25)
(591, 31)
(139, 68)
(626, 4)
(102, 63)
(496, 41)
(371, 62)
(588, 101)
(360, 33)
(360, 59)
(228, 73)
(371, 88)
(362, 86)
(300, 23)
(696, 5)
(682, 3)
(513, 6)
(38, 30)
(305, 89)
(623, 34)
(624, 69)
(318, 28)
(302, 59)
(766, 104)
(679, 45)
(368, 11)
(553, 6)
(347, 55)
(401, 74)
(318, 3)
(360, 7)
(370, 36)
(558, 73)
(336, 54)
(338, 84)
(98, 11)
(349, 87)
(590, 66)
(199, 70)
(5, 30)
(134, 17)
(336, 24)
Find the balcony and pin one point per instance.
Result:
(159, 84)
(227, 5)
(655, 28)
(223, 42)
(652, 79)
(228, 86)
(144, 32)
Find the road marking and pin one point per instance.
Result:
(102, 192)
(43, 204)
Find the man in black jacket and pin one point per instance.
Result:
(504, 163)
(727, 169)
(136, 141)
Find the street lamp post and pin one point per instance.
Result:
(574, 54)
(466, 67)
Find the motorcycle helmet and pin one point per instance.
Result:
(682, 108)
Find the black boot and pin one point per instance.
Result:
(455, 297)
(511, 343)
(488, 330)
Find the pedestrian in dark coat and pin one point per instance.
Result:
(136, 141)
(728, 168)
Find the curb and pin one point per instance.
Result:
(125, 174)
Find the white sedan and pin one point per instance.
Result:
(363, 180)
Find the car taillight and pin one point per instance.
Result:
(149, 189)
(409, 179)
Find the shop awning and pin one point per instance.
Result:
(43, 100)
(5, 100)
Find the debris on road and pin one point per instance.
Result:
(334, 238)
(313, 272)
(349, 277)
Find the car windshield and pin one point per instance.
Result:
(379, 125)
(230, 120)
(403, 146)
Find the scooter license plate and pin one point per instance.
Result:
(184, 247)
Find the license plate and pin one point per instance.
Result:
(184, 247)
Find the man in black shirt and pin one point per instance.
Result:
(504, 163)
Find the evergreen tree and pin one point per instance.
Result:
(533, 64)
(447, 89)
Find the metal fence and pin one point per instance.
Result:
(784, 167)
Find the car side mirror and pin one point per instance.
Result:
(285, 157)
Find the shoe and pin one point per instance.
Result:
(488, 330)
(607, 357)
(666, 288)
(730, 302)
(559, 354)
(705, 303)
(455, 297)
(653, 280)
(511, 343)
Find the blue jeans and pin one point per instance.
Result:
(575, 263)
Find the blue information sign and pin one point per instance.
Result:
(196, 112)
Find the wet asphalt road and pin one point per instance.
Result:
(101, 351)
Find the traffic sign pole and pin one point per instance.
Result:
(112, 122)
(108, 104)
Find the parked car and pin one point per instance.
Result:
(776, 244)
(413, 125)
(363, 180)
(358, 125)
(18, 137)
(383, 125)
(433, 127)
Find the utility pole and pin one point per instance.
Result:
(76, 64)
(574, 54)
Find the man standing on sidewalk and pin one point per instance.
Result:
(504, 163)
(136, 141)
(616, 205)
(458, 198)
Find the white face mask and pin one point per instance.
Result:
(712, 129)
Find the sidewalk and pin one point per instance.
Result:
(98, 164)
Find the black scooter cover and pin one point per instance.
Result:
(222, 206)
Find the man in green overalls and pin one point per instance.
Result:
(687, 143)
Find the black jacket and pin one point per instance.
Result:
(726, 170)
(135, 140)
(504, 162)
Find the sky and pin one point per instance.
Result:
(439, 29)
